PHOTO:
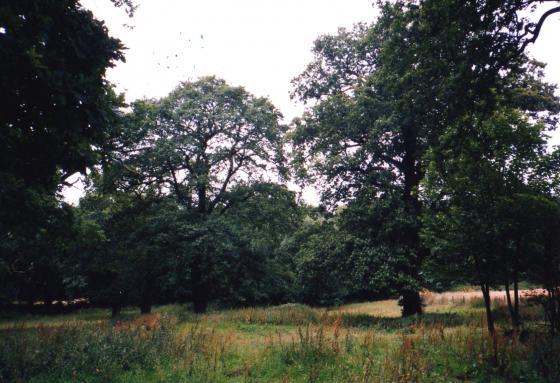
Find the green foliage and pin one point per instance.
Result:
(354, 255)
(197, 142)
(426, 133)
(55, 96)
(142, 248)
(478, 172)
(31, 255)
(256, 271)
(134, 246)
(386, 94)
(57, 113)
(208, 147)
(125, 245)
(484, 186)
(322, 265)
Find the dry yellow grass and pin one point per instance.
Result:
(459, 297)
(383, 309)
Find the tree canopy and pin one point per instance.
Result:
(57, 112)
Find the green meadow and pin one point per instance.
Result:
(363, 342)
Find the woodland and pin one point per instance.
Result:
(426, 134)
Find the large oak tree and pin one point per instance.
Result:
(382, 94)
(200, 145)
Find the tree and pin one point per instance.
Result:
(57, 104)
(31, 256)
(124, 249)
(349, 255)
(322, 263)
(57, 110)
(476, 198)
(384, 93)
(544, 267)
(356, 136)
(196, 145)
(380, 260)
(257, 270)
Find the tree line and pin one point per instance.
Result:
(425, 132)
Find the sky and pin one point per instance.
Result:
(259, 44)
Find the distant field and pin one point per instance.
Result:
(362, 342)
(457, 296)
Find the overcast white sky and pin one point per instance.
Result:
(259, 44)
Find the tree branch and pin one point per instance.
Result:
(176, 185)
(537, 30)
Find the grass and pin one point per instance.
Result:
(365, 342)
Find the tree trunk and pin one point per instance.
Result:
(488, 306)
(200, 302)
(145, 308)
(411, 303)
(517, 321)
(490, 319)
(510, 304)
(554, 310)
(549, 312)
(115, 310)
(146, 298)
(199, 288)
(412, 174)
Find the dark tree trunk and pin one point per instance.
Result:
(200, 303)
(550, 312)
(490, 319)
(514, 306)
(145, 307)
(553, 309)
(115, 310)
(199, 288)
(488, 306)
(485, 287)
(411, 303)
(412, 174)
(509, 303)
(146, 297)
(516, 318)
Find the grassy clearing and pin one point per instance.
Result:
(364, 342)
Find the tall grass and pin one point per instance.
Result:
(430, 354)
(301, 315)
(297, 344)
(289, 314)
(102, 351)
